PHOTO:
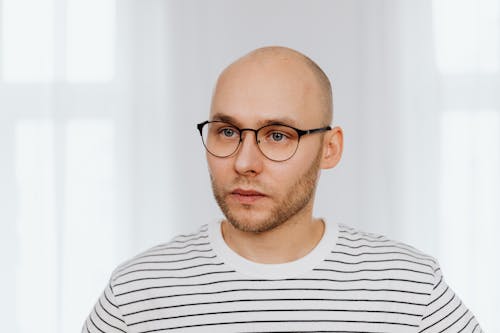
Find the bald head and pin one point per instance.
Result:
(275, 59)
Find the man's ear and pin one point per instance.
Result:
(333, 144)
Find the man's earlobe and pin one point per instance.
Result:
(333, 146)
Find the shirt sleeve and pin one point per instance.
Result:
(445, 312)
(105, 316)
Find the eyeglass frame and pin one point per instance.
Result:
(300, 133)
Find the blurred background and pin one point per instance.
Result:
(100, 157)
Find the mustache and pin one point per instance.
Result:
(247, 183)
(243, 182)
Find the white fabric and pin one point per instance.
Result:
(268, 271)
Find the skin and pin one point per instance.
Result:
(277, 225)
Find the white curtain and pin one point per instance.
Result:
(99, 157)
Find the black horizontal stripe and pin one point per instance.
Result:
(171, 277)
(191, 235)
(169, 247)
(168, 269)
(378, 261)
(109, 301)
(87, 327)
(372, 270)
(370, 246)
(440, 308)
(378, 253)
(182, 241)
(275, 300)
(439, 283)
(363, 279)
(273, 310)
(456, 321)
(281, 321)
(273, 290)
(260, 280)
(177, 240)
(467, 324)
(409, 250)
(174, 254)
(439, 297)
(377, 244)
(362, 238)
(93, 323)
(351, 231)
(442, 318)
(104, 321)
(202, 229)
(109, 313)
(137, 263)
(315, 331)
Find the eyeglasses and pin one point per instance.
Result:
(277, 142)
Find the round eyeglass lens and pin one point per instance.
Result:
(220, 139)
(278, 142)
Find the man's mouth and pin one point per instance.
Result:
(246, 196)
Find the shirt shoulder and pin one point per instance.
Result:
(374, 250)
(180, 253)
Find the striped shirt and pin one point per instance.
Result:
(352, 281)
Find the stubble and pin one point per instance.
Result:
(296, 199)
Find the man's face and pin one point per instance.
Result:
(254, 193)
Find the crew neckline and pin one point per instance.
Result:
(273, 271)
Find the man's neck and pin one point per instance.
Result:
(290, 241)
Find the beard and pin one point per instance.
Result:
(297, 197)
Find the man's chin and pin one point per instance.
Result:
(256, 217)
(253, 223)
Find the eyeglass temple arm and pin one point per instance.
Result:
(314, 130)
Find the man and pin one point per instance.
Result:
(270, 266)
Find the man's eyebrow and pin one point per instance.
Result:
(276, 121)
(223, 117)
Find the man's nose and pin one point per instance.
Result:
(248, 159)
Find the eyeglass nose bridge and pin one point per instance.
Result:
(255, 131)
(257, 141)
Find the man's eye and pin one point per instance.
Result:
(228, 132)
(277, 136)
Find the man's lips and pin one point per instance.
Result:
(246, 196)
(240, 191)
